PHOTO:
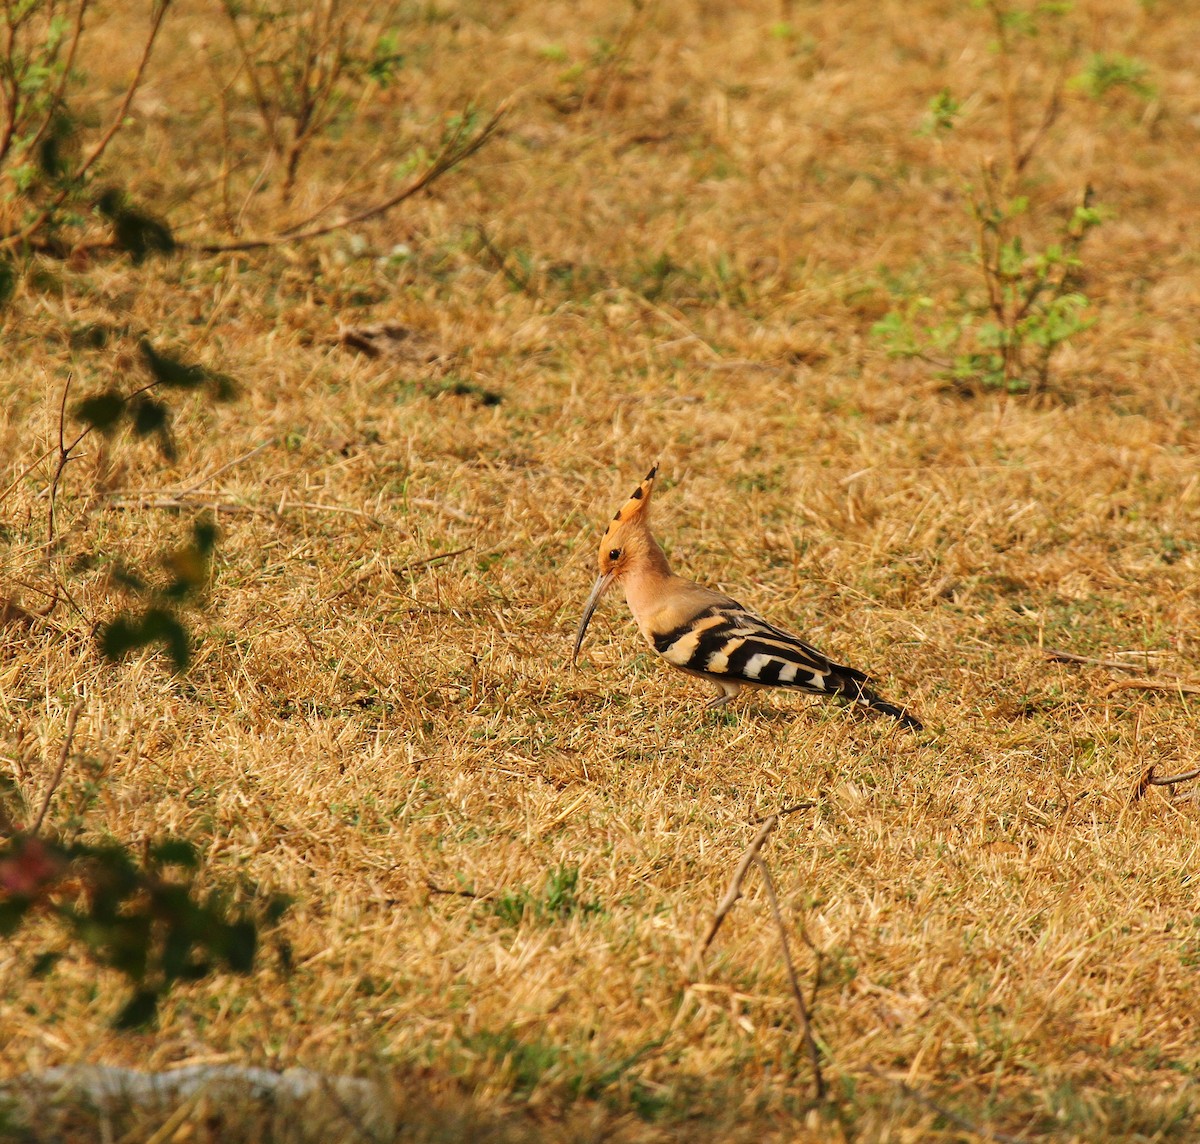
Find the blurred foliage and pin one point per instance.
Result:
(309, 66)
(158, 621)
(46, 175)
(143, 916)
(1029, 299)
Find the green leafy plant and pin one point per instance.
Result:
(308, 66)
(1031, 304)
(1028, 300)
(142, 915)
(145, 413)
(45, 173)
(159, 620)
(1104, 73)
(558, 900)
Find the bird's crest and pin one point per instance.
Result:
(639, 501)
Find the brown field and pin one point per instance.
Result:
(674, 249)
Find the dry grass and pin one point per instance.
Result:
(699, 231)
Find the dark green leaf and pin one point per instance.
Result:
(12, 910)
(149, 416)
(139, 1010)
(140, 234)
(170, 371)
(102, 410)
(277, 906)
(195, 971)
(111, 202)
(119, 637)
(44, 962)
(175, 852)
(8, 281)
(240, 945)
(287, 962)
(224, 388)
(127, 578)
(124, 634)
(161, 626)
(56, 146)
(205, 532)
(90, 336)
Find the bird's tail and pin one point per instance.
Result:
(869, 699)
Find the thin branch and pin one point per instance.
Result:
(1057, 655)
(335, 508)
(430, 560)
(501, 260)
(1176, 687)
(434, 888)
(814, 1053)
(782, 811)
(64, 78)
(24, 473)
(1049, 115)
(118, 121)
(265, 111)
(439, 506)
(945, 1113)
(225, 468)
(1150, 779)
(1004, 60)
(454, 153)
(160, 11)
(735, 883)
(64, 455)
(62, 763)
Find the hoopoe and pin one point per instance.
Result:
(706, 633)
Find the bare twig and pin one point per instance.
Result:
(945, 1113)
(452, 154)
(62, 763)
(430, 560)
(735, 883)
(225, 468)
(782, 811)
(64, 455)
(1177, 687)
(55, 101)
(439, 506)
(1049, 114)
(434, 888)
(23, 474)
(1057, 655)
(814, 1053)
(1150, 779)
(501, 260)
(337, 508)
(12, 613)
(206, 500)
(101, 145)
(744, 363)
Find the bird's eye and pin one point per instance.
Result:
(614, 554)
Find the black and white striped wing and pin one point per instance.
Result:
(727, 641)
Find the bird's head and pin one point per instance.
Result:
(626, 539)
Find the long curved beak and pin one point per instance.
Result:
(598, 590)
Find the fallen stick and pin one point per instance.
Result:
(735, 883)
(810, 1043)
(1150, 779)
(1057, 655)
(1177, 686)
(782, 811)
(947, 1114)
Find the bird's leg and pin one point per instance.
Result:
(725, 692)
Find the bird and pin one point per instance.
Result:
(708, 634)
